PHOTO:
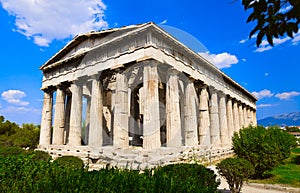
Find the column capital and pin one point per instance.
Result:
(172, 71)
(49, 89)
(221, 93)
(95, 76)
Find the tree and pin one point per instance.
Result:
(263, 148)
(274, 18)
(235, 171)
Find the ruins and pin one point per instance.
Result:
(137, 97)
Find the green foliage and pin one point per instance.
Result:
(286, 173)
(9, 151)
(274, 18)
(292, 129)
(263, 148)
(40, 155)
(27, 136)
(23, 173)
(12, 135)
(235, 171)
(185, 178)
(69, 162)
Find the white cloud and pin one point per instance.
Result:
(243, 41)
(223, 60)
(163, 22)
(266, 74)
(244, 60)
(264, 105)
(13, 109)
(45, 21)
(263, 94)
(262, 49)
(264, 46)
(287, 95)
(14, 97)
(296, 38)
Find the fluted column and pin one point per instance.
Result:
(214, 119)
(190, 115)
(46, 123)
(96, 114)
(230, 120)
(223, 120)
(204, 118)
(151, 135)
(254, 118)
(236, 117)
(67, 118)
(76, 115)
(120, 131)
(59, 118)
(249, 116)
(245, 116)
(87, 120)
(174, 138)
(241, 116)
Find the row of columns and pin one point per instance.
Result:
(209, 118)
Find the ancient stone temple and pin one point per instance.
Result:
(137, 97)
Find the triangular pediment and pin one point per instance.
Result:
(84, 42)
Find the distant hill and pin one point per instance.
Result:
(291, 119)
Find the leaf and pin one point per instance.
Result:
(260, 35)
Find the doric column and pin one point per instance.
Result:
(151, 122)
(87, 120)
(190, 115)
(214, 119)
(236, 117)
(254, 118)
(67, 118)
(174, 138)
(249, 116)
(46, 123)
(96, 114)
(230, 120)
(204, 119)
(120, 129)
(76, 115)
(245, 116)
(241, 116)
(223, 120)
(59, 118)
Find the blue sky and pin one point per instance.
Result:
(34, 30)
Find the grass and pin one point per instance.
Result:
(287, 173)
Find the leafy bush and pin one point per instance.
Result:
(185, 178)
(39, 155)
(235, 171)
(9, 151)
(263, 148)
(69, 162)
(22, 173)
(297, 160)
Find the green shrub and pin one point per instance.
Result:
(9, 151)
(69, 162)
(297, 160)
(185, 178)
(235, 171)
(39, 155)
(263, 148)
